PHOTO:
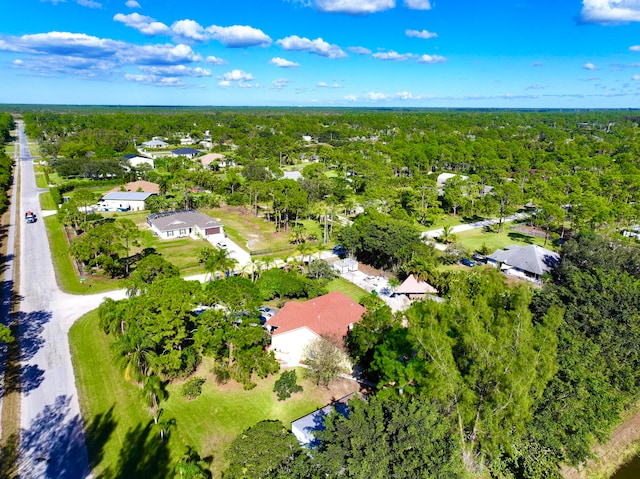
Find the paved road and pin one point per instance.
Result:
(52, 443)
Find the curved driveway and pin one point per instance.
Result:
(52, 443)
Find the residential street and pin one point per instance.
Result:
(52, 443)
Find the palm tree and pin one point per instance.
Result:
(447, 235)
(305, 249)
(216, 260)
(136, 352)
(154, 392)
(421, 269)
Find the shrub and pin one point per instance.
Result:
(286, 385)
(193, 387)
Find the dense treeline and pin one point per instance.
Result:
(6, 163)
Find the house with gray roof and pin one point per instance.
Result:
(123, 201)
(528, 262)
(155, 144)
(188, 152)
(187, 223)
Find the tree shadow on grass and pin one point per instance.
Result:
(143, 455)
(520, 237)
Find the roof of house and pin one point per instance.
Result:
(185, 151)
(531, 258)
(305, 427)
(126, 196)
(155, 143)
(210, 158)
(144, 186)
(413, 286)
(181, 219)
(331, 314)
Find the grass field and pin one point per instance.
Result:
(46, 201)
(351, 290)
(474, 240)
(113, 408)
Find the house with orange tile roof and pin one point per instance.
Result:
(296, 325)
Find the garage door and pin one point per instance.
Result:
(212, 231)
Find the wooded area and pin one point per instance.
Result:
(498, 380)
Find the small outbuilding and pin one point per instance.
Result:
(345, 265)
(415, 289)
(304, 429)
(187, 223)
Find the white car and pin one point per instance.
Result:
(222, 244)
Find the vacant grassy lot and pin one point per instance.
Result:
(256, 234)
(112, 407)
(474, 240)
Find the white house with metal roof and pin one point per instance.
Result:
(123, 201)
(187, 223)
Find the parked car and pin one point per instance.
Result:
(467, 262)
(478, 258)
(222, 244)
(339, 250)
(30, 217)
(266, 312)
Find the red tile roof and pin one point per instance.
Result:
(330, 314)
(142, 185)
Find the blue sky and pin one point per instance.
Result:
(336, 53)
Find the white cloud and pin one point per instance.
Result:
(420, 34)
(155, 80)
(634, 48)
(323, 84)
(176, 71)
(144, 24)
(317, 46)
(431, 59)
(239, 36)
(215, 61)
(159, 55)
(189, 29)
(132, 4)
(373, 96)
(535, 86)
(354, 7)
(538, 64)
(418, 4)
(89, 4)
(391, 55)
(282, 63)
(635, 77)
(359, 50)
(235, 36)
(610, 12)
(279, 83)
(589, 66)
(238, 77)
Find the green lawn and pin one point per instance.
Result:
(347, 287)
(473, 240)
(112, 407)
(46, 201)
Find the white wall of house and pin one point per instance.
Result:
(289, 347)
(115, 205)
(192, 232)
